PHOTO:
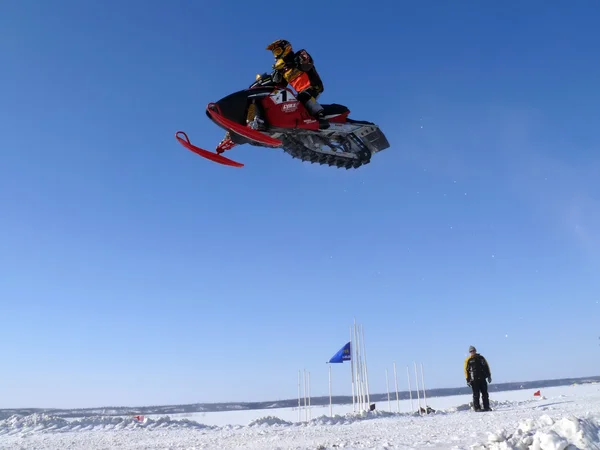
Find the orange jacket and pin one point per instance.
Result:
(299, 71)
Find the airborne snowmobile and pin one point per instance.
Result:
(345, 143)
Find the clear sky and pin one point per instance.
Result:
(134, 272)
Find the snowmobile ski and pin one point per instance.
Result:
(216, 157)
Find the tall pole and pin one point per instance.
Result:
(412, 408)
(417, 383)
(299, 404)
(352, 368)
(361, 368)
(423, 385)
(330, 404)
(305, 410)
(396, 381)
(362, 329)
(309, 412)
(358, 369)
(387, 384)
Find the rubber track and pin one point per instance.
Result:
(339, 159)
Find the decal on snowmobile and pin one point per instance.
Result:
(290, 107)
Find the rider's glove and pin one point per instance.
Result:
(277, 77)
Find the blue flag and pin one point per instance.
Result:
(342, 355)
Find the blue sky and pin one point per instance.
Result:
(135, 272)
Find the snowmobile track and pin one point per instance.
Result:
(335, 159)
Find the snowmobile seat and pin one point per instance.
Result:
(334, 109)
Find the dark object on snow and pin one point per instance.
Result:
(372, 407)
(429, 410)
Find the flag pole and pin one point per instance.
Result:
(344, 354)
(396, 381)
(330, 403)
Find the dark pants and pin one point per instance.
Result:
(480, 387)
(306, 94)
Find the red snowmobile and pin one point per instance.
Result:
(345, 143)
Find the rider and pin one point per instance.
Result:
(298, 69)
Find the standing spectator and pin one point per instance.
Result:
(477, 370)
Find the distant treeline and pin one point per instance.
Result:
(288, 403)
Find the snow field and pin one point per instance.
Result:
(564, 418)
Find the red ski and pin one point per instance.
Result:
(249, 133)
(216, 157)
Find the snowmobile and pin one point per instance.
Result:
(344, 143)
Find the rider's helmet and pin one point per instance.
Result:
(280, 48)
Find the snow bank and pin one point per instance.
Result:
(39, 422)
(546, 433)
(35, 423)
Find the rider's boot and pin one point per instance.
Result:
(318, 112)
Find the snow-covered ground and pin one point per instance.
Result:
(563, 418)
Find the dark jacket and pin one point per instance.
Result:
(477, 368)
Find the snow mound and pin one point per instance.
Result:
(463, 407)
(354, 417)
(346, 419)
(335, 420)
(35, 423)
(546, 433)
(268, 421)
